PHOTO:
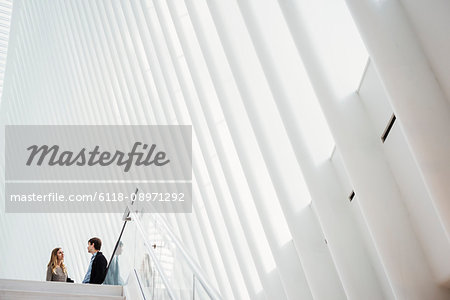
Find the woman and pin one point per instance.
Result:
(56, 270)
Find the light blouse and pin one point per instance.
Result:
(59, 275)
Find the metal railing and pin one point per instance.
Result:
(164, 230)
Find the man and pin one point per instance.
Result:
(97, 268)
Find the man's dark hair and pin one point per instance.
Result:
(97, 243)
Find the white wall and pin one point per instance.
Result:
(270, 220)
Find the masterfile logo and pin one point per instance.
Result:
(85, 157)
(82, 168)
(99, 152)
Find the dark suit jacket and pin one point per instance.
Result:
(98, 271)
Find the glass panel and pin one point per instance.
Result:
(152, 262)
(150, 279)
(171, 261)
(122, 263)
(199, 291)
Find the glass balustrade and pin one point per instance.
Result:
(148, 249)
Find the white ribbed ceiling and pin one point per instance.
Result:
(232, 70)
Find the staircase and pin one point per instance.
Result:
(43, 290)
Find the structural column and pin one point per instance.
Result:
(416, 97)
(397, 248)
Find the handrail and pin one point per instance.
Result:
(125, 219)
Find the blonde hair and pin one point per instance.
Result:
(53, 263)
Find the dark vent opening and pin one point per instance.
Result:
(352, 195)
(388, 128)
